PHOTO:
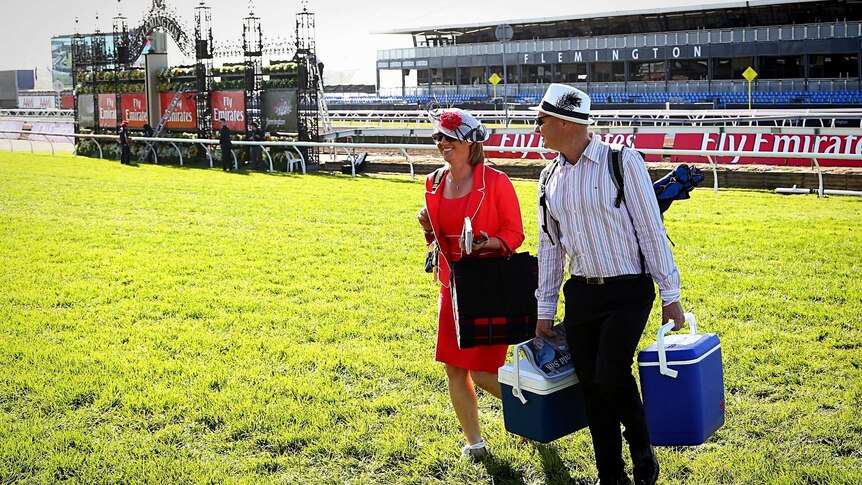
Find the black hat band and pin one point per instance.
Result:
(550, 108)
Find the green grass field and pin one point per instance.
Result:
(180, 325)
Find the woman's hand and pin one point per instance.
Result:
(482, 243)
(424, 221)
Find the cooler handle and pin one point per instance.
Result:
(516, 369)
(662, 356)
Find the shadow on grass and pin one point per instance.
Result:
(501, 471)
(554, 468)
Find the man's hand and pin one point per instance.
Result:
(543, 328)
(673, 311)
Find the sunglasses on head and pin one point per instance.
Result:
(540, 120)
(439, 137)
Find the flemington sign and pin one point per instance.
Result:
(161, 18)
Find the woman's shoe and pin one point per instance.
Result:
(475, 452)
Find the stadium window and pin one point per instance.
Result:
(688, 70)
(834, 66)
(512, 74)
(464, 75)
(477, 75)
(422, 77)
(646, 71)
(782, 67)
(608, 72)
(573, 73)
(443, 77)
(536, 74)
(732, 68)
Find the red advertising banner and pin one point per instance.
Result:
(229, 105)
(134, 108)
(67, 101)
(185, 115)
(517, 140)
(769, 142)
(640, 140)
(107, 110)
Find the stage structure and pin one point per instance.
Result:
(252, 47)
(204, 69)
(122, 61)
(283, 96)
(94, 64)
(308, 93)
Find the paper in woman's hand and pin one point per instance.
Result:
(467, 235)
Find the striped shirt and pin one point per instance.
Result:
(599, 238)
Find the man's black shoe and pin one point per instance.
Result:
(645, 467)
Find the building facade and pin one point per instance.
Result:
(796, 48)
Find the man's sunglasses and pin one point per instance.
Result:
(540, 120)
(439, 137)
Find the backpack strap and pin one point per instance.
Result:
(437, 178)
(543, 200)
(616, 169)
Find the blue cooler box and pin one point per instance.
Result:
(683, 386)
(538, 408)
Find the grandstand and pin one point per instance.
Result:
(806, 52)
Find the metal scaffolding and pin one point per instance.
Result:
(252, 46)
(308, 91)
(204, 69)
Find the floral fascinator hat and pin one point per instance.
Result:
(459, 124)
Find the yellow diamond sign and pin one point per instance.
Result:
(749, 74)
(495, 79)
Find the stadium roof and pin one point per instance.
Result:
(693, 7)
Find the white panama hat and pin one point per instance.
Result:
(567, 103)
(459, 124)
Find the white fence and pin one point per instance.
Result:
(208, 144)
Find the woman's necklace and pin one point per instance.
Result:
(458, 184)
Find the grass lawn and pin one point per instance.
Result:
(171, 325)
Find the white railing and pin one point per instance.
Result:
(711, 155)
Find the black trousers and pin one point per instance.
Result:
(226, 158)
(604, 324)
(125, 154)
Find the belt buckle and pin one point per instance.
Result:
(595, 281)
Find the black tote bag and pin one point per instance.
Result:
(494, 299)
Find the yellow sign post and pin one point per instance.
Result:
(495, 80)
(749, 74)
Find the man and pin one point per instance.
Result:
(125, 139)
(226, 145)
(149, 132)
(615, 253)
(254, 134)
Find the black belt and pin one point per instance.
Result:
(599, 280)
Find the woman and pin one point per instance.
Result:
(467, 189)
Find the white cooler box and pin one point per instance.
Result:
(538, 408)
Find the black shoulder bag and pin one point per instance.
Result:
(494, 299)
